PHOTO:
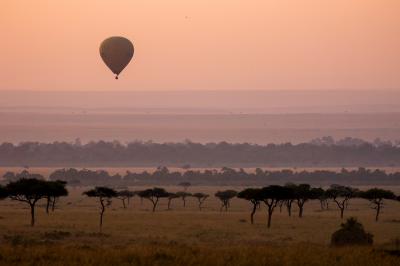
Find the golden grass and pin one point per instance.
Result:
(175, 254)
(187, 236)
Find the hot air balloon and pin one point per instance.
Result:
(116, 53)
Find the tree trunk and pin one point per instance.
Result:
(253, 212)
(184, 202)
(378, 210)
(32, 214)
(155, 205)
(270, 210)
(169, 204)
(123, 203)
(301, 207)
(53, 204)
(289, 207)
(101, 215)
(342, 211)
(48, 205)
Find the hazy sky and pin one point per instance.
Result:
(203, 44)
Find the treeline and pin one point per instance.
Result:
(32, 190)
(319, 152)
(225, 176)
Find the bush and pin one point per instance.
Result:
(351, 233)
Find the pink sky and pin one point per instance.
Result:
(202, 45)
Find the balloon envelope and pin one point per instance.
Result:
(116, 53)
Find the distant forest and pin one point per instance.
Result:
(224, 176)
(317, 153)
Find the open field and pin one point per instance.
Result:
(187, 236)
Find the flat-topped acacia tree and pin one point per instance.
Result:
(341, 196)
(225, 198)
(271, 196)
(28, 190)
(55, 190)
(320, 194)
(289, 197)
(185, 185)
(201, 197)
(302, 194)
(183, 195)
(171, 196)
(105, 195)
(377, 196)
(125, 195)
(154, 195)
(254, 196)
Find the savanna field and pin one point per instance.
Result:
(187, 236)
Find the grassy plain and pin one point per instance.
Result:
(188, 236)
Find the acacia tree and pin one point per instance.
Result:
(225, 198)
(153, 195)
(55, 190)
(302, 194)
(254, 196)
(105, 195)
(289, 196)
(341, 195)
(185, 185)
(3, 192)
(28, 190)
(183, 195)
(125, 195)
(201, 197)
(376, 196)
(271, 196)
(320, 194)
(171, 196)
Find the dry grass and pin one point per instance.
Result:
(186, 236)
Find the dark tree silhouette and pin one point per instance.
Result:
(55, 190)
(105, 195)
(341, 195)
(28, 190)
(153, 195)
(376, 196)
(125, 195)
(320, 194)
(3, 192)
(171, 196)
(254, 196)
(271, 196)
(225, 198)
(183, 195)
(201, 197)
(302, 194)
(185, 185)
(289, 197)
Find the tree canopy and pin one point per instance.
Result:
(28, 190)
